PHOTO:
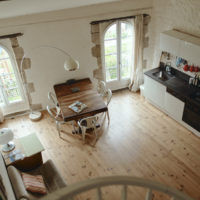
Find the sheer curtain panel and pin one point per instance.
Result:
(137, 70)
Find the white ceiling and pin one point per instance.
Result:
(13, 8)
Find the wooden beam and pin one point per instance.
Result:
(114, 19)
(11, 35)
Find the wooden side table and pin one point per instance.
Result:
(31, 147)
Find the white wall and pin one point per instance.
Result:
(68, 30)
(182, 15)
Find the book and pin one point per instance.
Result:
(15, 155)
(77, 106)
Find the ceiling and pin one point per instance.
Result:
(13, 8)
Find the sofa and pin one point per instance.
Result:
(12, 185)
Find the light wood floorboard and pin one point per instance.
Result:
(139, 141)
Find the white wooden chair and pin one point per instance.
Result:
(108, 99)
(70, 192)
(88, 123)
(101, 88)
(53, 99)
(58, 119)
(108, 96)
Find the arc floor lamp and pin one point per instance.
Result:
(69, 65)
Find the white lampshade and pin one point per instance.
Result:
(6, 135)
(71, 64)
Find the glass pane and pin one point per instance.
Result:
(126, 64)
(111, 61)
(8, 78)
(111, 67)
(111, 74)
(110, 47)
(126, 30)
(126, 49)
(3, 54)
(111, 33)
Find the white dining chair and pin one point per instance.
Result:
(88, 123)
(101, 88)
(58, 119)
(53, 99)
(108, 99)
(108, 96)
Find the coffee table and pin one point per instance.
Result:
(31, 147)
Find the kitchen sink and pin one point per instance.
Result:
(162, 75)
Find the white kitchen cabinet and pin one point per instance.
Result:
(169, 44)
(154, 91)
(181, 44)
(174, 107)
(190, 52)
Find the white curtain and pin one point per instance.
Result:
(1, 115)
(137, 71)
(2, 105)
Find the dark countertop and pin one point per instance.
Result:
(177, 84)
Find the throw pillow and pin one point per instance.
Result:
(34, 183)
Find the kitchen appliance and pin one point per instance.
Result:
(191, 113)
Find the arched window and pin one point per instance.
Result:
(9, 83)
(118, 51)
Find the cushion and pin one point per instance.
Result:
(34, 183)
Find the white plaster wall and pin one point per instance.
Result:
(47, 64)
(182, 15)
(68, 30)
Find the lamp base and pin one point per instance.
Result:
(35, 115)
(8, 147)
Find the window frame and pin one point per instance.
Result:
(18, 79)
(118, 45)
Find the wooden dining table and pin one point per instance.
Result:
(79, 90)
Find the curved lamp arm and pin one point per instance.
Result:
(70, 65)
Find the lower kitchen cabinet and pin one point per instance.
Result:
(154, 91)
(158, 95)
(174, 107)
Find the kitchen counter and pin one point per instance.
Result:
(177, 84)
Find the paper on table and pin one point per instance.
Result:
(31, 144)
(78, 106)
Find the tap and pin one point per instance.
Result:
(168, 69)
(194, 80)
(191, 81)
(160, 74)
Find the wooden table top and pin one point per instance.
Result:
(87, 95)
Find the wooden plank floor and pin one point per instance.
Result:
(140, 141)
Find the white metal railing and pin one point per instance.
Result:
(70, 192)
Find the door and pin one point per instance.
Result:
(118, 54)
(12, 99)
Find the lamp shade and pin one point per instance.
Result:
(6, 135)
(71, 64)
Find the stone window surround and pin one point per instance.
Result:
(96, 49)
(19, 53)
